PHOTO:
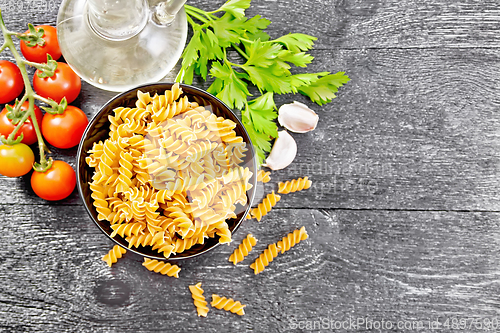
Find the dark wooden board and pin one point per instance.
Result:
(359, 264)
(402, 215)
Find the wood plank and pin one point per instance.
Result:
(342, 24)
(414, 129)
(359, 264)
(382, 24)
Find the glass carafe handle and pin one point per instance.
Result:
(164, 11)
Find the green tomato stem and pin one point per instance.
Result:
(50, 102)
(19, 104)
(12, 135)
(36, 65)
(29, 93)
(41, 144)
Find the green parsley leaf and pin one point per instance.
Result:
(190, 54)
(260, 141)
(297, 42)
(266, 64)
(300, 59)
(262, 113)
(304, 79)
(261, 54)
(234, 90)
(235, 7)
(255, 28)
(228, 29)
(323, 90)
(186, 74)
(214, 51)
(273, 78)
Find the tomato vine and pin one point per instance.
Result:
(47, 70)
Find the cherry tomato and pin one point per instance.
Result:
(64, 82)
(11, 81)
(39, 53)
(56, 183)
(64, 130)
(16, 160)
(6, 127)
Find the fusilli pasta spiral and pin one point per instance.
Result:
(227, 304)
(265, 206)
(169, 174)
(114, 254)
(264, 176)
(265, 258)
(164, 268)
(294, 185)
(199, 300)
(243, 249)
(292, 239)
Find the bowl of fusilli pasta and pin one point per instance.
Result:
(167, 171)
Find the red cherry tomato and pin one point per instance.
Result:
(6, 126)
(11, 81)
(56, 183)
(64, 130)
(64, 82)
(39, 53)
(16, 160)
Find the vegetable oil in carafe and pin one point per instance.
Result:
(116, 45)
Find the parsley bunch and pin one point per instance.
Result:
(265, 63)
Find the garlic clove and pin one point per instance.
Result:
(297, 117)
(283, 152)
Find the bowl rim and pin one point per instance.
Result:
(162, 84)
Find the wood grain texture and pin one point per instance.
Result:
(352, 24)
(402, 216)
(403, 134)
(377, 264)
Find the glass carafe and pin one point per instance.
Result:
(118, 44)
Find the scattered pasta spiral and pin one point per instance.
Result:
(265, 206)
(264, 176)
(292, 239)
(243, 249)
(294, 185)
(164, 268)
(265, 258)
(227, 304)
(199, 300)
(114, 254)
(283, 245)
(169, 175)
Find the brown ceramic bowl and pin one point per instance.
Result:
(98, 130)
